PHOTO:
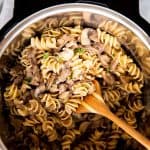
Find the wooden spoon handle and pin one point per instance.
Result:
(128, 129)
(104, 110)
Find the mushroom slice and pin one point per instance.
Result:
(85, 36)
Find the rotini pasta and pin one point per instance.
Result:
(72, 104)
(51, 104)
(45, 43)
(11, 93)
(54, 65)
(114, 28)
(132, 87)
(35, 108)
(135, 104)
(107, 39)
(135, 72)
(48, 129)
(68, 138)
(51, 64)
(15, 47)
(129, 116)
(112, 97)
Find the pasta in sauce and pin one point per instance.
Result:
(56, 71)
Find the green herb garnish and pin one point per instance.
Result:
(108, 69)
(113, 55)
(46, 55)
(79, 50)
(60, 59)
(28, 79)
(70, 76)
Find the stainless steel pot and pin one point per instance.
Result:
(101, 14)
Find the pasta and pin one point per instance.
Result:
(108, 39)
(132, 87)
(112, 27)
(43, 43)
(15, 47)
(135, 72)
(136, 105)
(68, 138)
(55, 63)
(129, 116)
(112, 97)
(32, 30)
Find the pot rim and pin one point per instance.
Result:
(74, 7)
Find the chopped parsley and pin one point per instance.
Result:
(108, 70)
(79, 50)
(70, 76)
(60, 59)
(113, 55)
(28, 79)
(45, 56)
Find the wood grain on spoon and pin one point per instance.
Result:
(95, 104)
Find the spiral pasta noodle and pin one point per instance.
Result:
(132, 87)
(69, 138)
(31, 30)
(86, 145)
(11, 93)
(51, 104)
(96, 139)
(31, 122)
(114, 28)
(136, 105)
(82, 89)
(22, 111)
(50, 64)
(108, 39)
(72, 104)
(112, 97)
(129, 116)
(48, 129)
(135, 72)
(113, 140)
(43, 43)
(15, 48)
(35, 108)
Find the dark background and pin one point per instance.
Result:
(23, 8)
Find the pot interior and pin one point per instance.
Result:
(133, 45)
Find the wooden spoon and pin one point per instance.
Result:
(95, 104)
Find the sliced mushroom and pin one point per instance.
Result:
(85, 36)
(64, 96)
(66, 54)
(99, 47)
(40, 89)
(108, 78)
(93, 36)
(105, 59)
(72, 44)
(63, 75)
(114, 64)
(62, 88)
(54, 88)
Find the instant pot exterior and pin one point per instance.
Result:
(94, 15)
